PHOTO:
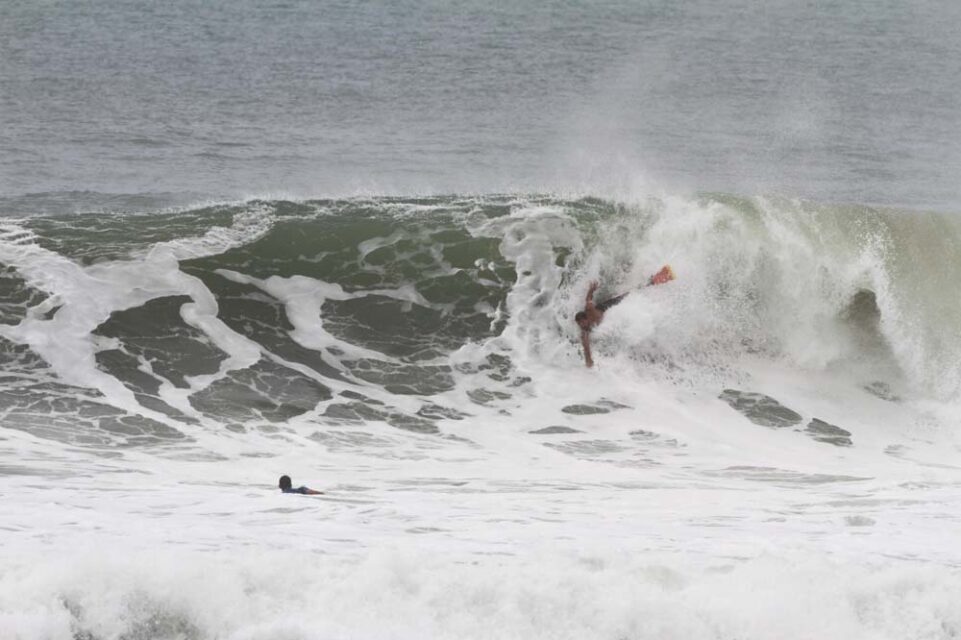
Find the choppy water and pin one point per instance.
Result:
(853, 101)
(345, 242)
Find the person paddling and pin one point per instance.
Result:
(286, 486)
(593, 314)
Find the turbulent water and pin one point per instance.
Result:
(418, 358)
(346, 242)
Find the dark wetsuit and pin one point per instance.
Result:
(610, 302)
(302, 490)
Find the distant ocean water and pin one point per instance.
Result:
(850, 102)
(344, 241)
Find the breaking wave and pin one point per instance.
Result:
(133, 327)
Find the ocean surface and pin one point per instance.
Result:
(344, 241)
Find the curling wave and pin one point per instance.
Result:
(133, 329)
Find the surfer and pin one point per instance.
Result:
(286, 487)
(593, 314)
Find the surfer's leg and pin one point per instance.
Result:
(610, 302)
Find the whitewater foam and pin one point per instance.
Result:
(413, 594)
(423, 369)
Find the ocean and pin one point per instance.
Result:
(345, 242)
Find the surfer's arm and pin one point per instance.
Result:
(586, 342)
(589, 300)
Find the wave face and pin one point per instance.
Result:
(137, 328)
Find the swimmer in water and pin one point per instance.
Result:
(286, 487)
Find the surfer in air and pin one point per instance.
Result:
(287, 487)
(593, 314)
